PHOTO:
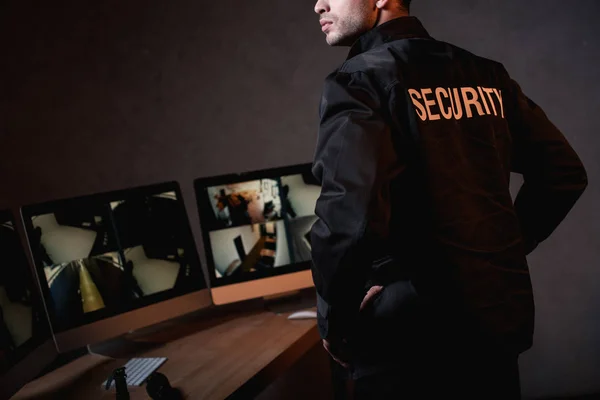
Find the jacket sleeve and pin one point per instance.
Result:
(352, 147)
(554, 176)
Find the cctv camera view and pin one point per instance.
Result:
(261, 224)
(108, 255)
(21, 314)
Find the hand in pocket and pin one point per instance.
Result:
(370, 296)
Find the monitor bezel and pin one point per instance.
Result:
(200, 189)
(59, 326)
(32, 343)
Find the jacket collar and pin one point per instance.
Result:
(397, 28)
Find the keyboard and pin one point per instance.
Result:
(139, 369)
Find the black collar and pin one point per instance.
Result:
(397, 28)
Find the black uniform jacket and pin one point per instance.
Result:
(416, 144)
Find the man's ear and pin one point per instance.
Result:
(381, 3)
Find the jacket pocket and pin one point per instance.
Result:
(396, 301)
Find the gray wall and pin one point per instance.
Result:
(108, 95)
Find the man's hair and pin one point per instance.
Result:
(404, 4)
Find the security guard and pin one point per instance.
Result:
(419, 253)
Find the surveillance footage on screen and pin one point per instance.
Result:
(261, 224)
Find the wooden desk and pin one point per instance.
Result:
(234, 358)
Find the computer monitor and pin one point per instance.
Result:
(26, 343)
(256, 229)
(114, 262)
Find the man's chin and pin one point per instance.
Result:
(337, 41)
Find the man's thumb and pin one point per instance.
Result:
(373, 291)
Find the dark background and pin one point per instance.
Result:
(97, 96)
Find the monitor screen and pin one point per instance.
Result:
(23, 321)
(257, 224)
(106, 254)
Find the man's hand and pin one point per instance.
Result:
(337, 347)
(338, 350)
(370, 296)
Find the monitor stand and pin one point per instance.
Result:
(290, 302)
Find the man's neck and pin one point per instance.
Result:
(386, 16)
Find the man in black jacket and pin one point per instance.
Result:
(419, 253)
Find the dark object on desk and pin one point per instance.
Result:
(159, 388)
(119, 377)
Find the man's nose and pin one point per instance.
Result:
(321, 6)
